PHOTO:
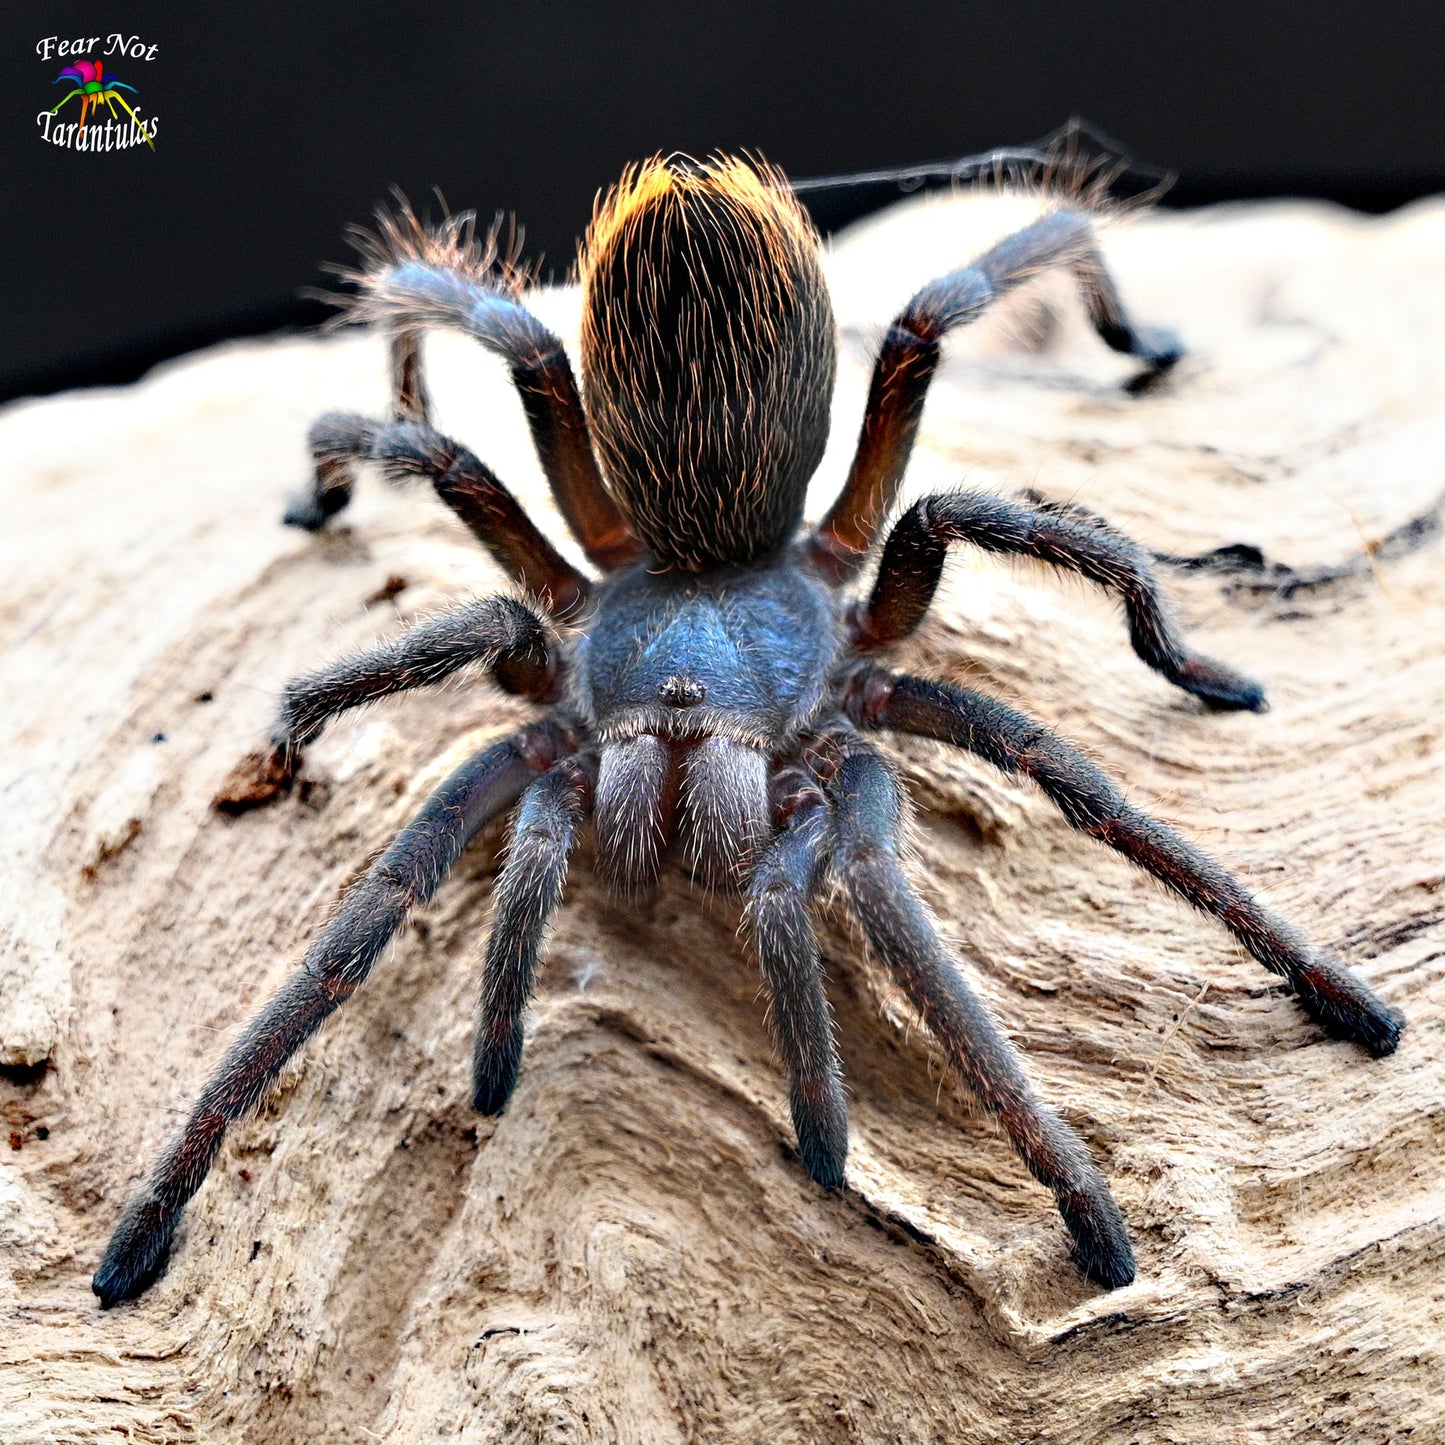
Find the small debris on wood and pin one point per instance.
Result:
(392, 588)
(259, 778)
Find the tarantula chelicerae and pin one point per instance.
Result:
(719, 691)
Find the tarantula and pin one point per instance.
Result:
(715, 690)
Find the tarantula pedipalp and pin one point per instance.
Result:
(718, 690)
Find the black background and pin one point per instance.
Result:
(279, 124)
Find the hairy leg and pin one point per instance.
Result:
(498, 633)
(784, 880)
(333, 477)
(548, 821)
(917, 547)
(335, 966)
(868, 808)
(416, 277)
(1343, 1004)
(911, 353)
(412, 449)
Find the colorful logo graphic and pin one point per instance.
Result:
(95, 89)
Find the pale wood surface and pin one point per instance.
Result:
(629, 1254)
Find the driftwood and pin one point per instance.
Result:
(630, 1253)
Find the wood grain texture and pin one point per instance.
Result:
(630, 1253)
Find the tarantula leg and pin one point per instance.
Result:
(551, 815)
(784, 880)
(499, 634)
(917, 547)
(910, 356)
(333, 478)
(868, 808)
(333, 482)
(335, 966)
(409, 398)
(414, 292)
(1343, 1004)
(412, 449)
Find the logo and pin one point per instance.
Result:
(96, 91)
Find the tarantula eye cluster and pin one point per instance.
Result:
(715, 694)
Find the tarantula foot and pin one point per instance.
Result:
(259, 778)
(1101, 1238)
(311, 513)
(1220, 689)
(1348, 1009)
(330, 494)
(137, 1253)
(494, 1071)
(1159, 349)
(820, 1121)
(304, 513)
(824, 1168)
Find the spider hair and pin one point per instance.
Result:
(455, 243)
(708, 356)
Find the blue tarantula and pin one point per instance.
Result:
(719, 694)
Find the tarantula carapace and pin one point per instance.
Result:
(717, 693)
